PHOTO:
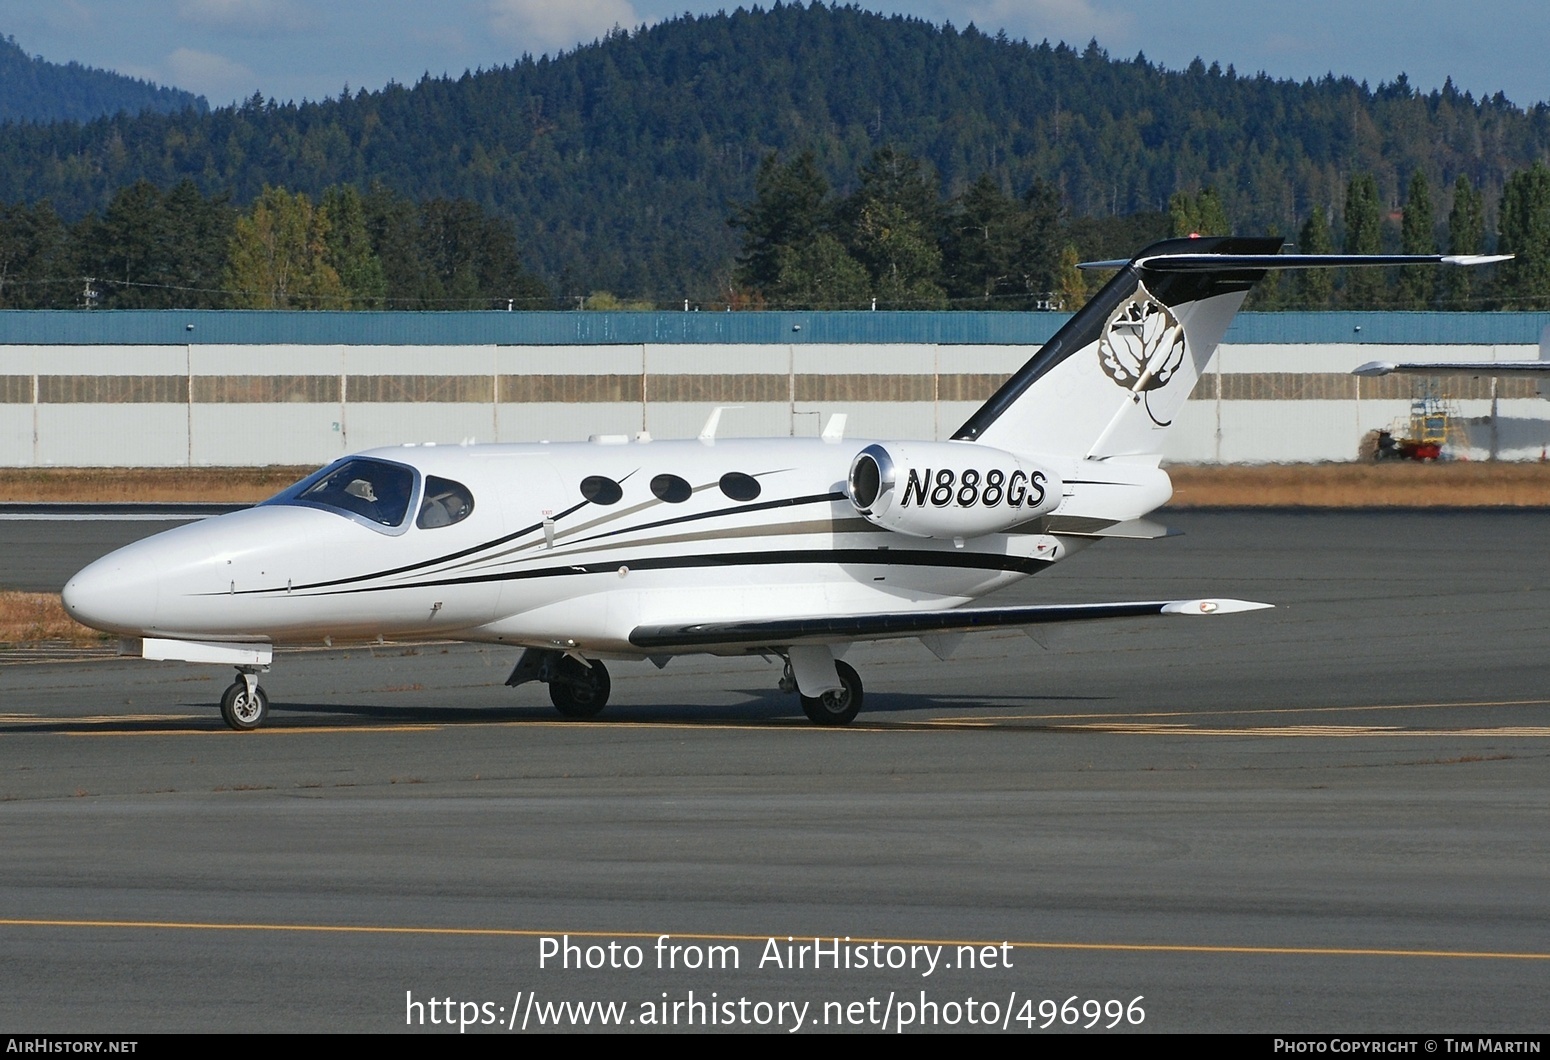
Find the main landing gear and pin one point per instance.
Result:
(578, 687)
(244, 705)
(834, 707)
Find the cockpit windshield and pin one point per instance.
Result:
(375, 490)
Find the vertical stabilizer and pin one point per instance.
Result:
(1110, 383)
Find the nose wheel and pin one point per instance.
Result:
(244, 706)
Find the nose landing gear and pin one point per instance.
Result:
(244, 706)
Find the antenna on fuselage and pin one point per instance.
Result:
(713, 421)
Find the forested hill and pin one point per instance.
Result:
(32, 89)
(621, 162)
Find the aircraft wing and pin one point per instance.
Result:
(896, 624)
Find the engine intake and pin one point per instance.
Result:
(949, 489)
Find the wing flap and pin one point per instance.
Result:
(896, 624)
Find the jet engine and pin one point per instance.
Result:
(949, 489)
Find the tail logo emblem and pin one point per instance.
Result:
(1142, 346)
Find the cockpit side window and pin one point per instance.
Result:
(375, 490)
(446, 502)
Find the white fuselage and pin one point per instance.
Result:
(681, 537)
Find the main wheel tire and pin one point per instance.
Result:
(578, 690)
(241, 711)
(836, 708)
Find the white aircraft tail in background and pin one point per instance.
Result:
(789, 548)
(1502, 369)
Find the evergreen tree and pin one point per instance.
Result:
(35, 268)
(982, 253)
(1466, 235)
(821, 274)
(392, 225)
(890, 225)
(470, 260)
(1315, 287)
(129, 249)
(200, 229)
(1363, 287)
(1417, 236)
(155, 251)
(1070, 284)
(790, 208)
(1524, 282)
(1197, 215)
(1045, 239)
(349, 248)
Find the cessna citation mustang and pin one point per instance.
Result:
(788, 547)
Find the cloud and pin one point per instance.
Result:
(258, 18)
(540, 26)
(215, 77)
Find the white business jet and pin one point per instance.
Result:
(794, 548)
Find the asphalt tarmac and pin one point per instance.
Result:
(1326, 817)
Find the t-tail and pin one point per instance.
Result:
(1072, 442)
(1110, 382)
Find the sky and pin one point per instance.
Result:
(226, 50)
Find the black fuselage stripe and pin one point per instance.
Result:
(860, 556)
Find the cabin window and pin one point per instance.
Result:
(671, 489)
(445, 502)
(601, 490)
(739, 487)
(374, 490)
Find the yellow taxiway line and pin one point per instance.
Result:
(1099, 947)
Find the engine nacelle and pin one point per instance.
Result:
(949, 489)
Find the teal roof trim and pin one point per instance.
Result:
(256, 327)
(1389, 328)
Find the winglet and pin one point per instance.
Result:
(1475, 259)
(1211, 607)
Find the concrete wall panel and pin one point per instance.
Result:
(718, 360)
(369, 426)
(16, 436)
(560, 422)
(229, 435)
(140, 435)
(267, 360)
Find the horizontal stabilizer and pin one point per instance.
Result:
(838, 628)
(1231, 262)
(1130, 529)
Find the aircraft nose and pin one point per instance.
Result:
(122, 591)
(116, 594)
